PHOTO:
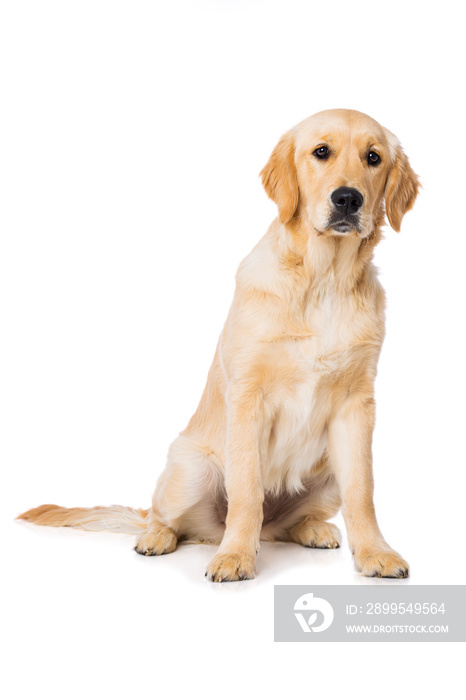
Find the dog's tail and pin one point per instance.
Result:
(113, 518)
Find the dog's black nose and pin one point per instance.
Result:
(347, 200)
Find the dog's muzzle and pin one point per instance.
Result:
(347, 201)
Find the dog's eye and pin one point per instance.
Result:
(373, 158)
(322, 152)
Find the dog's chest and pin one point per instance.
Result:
(322, 351)
(308, 365)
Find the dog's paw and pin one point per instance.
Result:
(317, 534)
(382, 564)
(155, 542)
(231, 567)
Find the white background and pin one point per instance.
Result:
(132, 138)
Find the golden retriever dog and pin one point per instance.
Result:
(282, 434)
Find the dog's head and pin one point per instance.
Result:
(336, 170)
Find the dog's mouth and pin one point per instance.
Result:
(344, 225)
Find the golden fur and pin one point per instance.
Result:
(282, 435)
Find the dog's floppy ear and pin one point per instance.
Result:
(401, 189)
(279, 177)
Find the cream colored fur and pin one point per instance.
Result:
(282, 435)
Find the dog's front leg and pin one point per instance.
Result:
(350, 450)
(236, 556)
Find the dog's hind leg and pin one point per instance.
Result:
(313, 530)
(183, 499)
(306, 523)
(316, 534)
(157, 539)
